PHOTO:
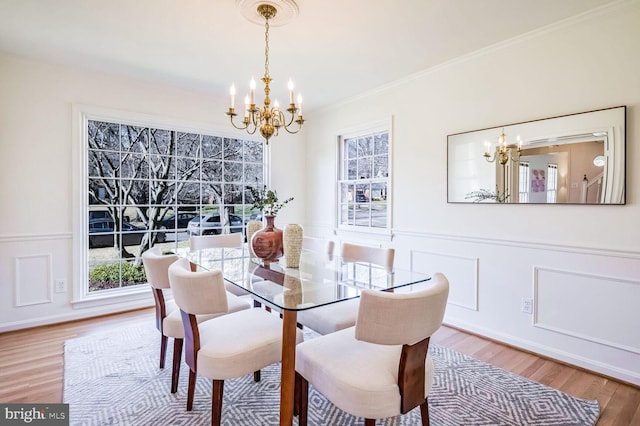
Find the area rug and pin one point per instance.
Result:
(114, 379)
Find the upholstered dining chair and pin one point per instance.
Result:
(319, 245)
(169, 321)
(233, 240)
(380, 368)
(338, 316)
(226, 347)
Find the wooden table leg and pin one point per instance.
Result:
(287, 381)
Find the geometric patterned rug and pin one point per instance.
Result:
(113, 379)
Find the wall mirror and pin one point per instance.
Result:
(570, 159)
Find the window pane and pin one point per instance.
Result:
(380, 166)
(188, 193)
(364, 168)
(381, 143)
(188, 145)
(379, 215)
(253, 151)
(103, 135)
(351, 150)
(161, 142)
(134, 138)
(211, 147)
(211, 171)
(103, 163)
(232, 171)
(135, 166)
(232, 149)
(365, 146)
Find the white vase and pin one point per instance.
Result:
(252, 227)
(292, 244)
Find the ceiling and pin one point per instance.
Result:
(333, 50)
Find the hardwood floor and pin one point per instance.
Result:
(32, 365)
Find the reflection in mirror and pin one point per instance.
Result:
(571, 159)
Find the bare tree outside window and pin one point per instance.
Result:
(146, 184)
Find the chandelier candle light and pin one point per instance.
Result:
(269, 119)
(504, 151)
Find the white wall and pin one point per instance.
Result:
(585, 281)
(37, 168)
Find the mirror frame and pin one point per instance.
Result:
(468, 150)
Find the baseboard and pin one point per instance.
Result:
(609, 371)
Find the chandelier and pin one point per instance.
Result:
(504, 151)
(269, 119)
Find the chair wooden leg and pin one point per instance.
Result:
(256, 376)
(303, 397)
(424, 411)
(163, 349)
(216, 402)
(177, 357)
(296, 394)
(369, 422)
(191, 389)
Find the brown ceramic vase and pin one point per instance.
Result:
(267, 243)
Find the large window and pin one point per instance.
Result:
(363, 195)
(150, 186)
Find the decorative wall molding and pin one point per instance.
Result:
(617, 372)
(33, 279)
(594, 294)
(464, 267)
(7, 239)
(625, 254)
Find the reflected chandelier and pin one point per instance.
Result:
(504, 151)
(269, 119)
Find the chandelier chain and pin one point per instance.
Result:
(266, 48)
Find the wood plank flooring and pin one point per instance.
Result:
(31, 365)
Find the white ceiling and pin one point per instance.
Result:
(334, 49)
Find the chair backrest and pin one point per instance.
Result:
(197, 293)
(379, 256)
(319, 245)
(216, 241)
(156, 266)
(402, 318)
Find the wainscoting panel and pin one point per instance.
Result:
(462, 273)
(33, 282)
(590, 298)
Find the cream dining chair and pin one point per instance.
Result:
(337, 316)
(233, 240)
(380, 368)
(168, 321)
(226, 347)
(319, 245)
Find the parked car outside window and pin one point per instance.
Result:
(209, 224)
(101, 233)
(179, 221)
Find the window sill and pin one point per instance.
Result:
(140, 296)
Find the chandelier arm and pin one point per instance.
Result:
(234, 124)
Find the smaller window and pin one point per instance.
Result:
(552, 183)
(524, 183)
(363, 181)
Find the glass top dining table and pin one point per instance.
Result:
(319, 280)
